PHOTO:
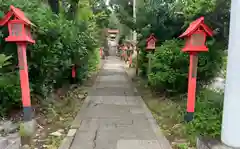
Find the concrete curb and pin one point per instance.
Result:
(162, 140)
(67, 141)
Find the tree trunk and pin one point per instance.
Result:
(54, 4)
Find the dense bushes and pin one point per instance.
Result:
(208, 115)
(59, 44)
(9, 85)
(167, 20)
(170, 67)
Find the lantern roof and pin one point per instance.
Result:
(16, 12)
(151, 37)
(195, 25)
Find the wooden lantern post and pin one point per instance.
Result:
(19, 32)
(101, 50)
(151, 40)
(130, 56)
(74, 68)
(124, 48)
(122, 52)
(195, 42)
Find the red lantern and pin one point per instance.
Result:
(101, 51)
(19, 32)
(151, 42)
(195, 42)
(196, 36)
(19, 27)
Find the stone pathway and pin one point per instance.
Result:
(114, 116)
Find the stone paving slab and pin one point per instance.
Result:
(106, 111)
(114, 117)
(114, 77)
(84, 140)
(116, 84)
(115, 100)
(111, 72)
(138, 144)
(112, 91)
(136, 122)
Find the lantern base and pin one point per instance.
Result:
(19, 39)
(189, 116)
(195, 49)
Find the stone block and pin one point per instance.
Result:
(206, 143)
(71, 132)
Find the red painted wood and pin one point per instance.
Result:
(151, 37)
(195, 42)
(192, 82)
(101, 52)
(23, 23)
(24, 32)
(23, 70)
(196, 25)
(18, 14)
(6, 18)
(151, 40)
(130, 59)
(73, 71)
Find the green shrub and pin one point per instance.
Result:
(59, 44)
(10, 92)
(9, 86)
(170, 67)
(208, 115)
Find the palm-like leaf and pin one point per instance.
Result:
(4, 60)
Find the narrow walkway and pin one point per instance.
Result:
(114, 115)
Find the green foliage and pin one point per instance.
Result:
(182, 146)
(9, 86)
(167, 19)
(170, 67)
(4, 60)
(60, 42)
(208, 115)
